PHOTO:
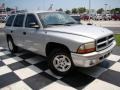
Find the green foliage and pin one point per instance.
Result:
(81, 10)
(67, 11)
(115, 11)
(60, 9)
(74, 11)
(117, 38)
(78, 10)
(8, 9)
(100, 11)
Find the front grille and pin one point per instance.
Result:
(104, 42)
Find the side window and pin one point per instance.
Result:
(30, 19)
(10, 20)
(19, 20)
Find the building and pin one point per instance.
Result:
(3, 12)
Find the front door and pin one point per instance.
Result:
(33, 36)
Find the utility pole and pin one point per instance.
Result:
(89, 12)
(105, 8)
(109, 9)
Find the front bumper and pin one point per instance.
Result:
(91, 59)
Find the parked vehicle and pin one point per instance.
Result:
(107, 17)
(76, 17)
(84, 17)
(60, 38)
(98, 17)
(116, 17)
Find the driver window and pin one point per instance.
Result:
(30, 19)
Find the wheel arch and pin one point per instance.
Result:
(53, 45)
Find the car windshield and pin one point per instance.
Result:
(55, 18)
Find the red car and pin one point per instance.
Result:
(116, 17)
(85, 17)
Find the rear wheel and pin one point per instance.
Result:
(60, 62)
(12, 47)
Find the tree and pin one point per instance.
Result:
(67, 11)
(81, 10)
(100, 11)
(60, 9)
(74, 11)
(115, 10)
(8, 9)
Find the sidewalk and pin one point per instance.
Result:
(103, 23)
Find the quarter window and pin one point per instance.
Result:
(19, 20)
(10, 20)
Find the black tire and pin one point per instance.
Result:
(15, 48)
(51, 58)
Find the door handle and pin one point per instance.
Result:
(24, 33)
(11, 31)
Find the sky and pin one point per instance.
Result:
(31, 5)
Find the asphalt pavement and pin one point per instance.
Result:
(116, 30)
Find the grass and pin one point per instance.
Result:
(117, 38)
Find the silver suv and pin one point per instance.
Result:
(59, 37)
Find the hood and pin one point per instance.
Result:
(82, 30)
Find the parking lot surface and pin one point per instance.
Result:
(26, 71)
(102, 23)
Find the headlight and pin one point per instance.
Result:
(86, 48)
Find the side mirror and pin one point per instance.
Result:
(34, 25)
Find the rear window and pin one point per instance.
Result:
(19, 20)
(10, 20)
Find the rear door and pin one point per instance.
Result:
(18, 30)
(8, 26)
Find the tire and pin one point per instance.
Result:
(12, 47)
(60, 62)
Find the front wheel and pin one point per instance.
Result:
(60, 62)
